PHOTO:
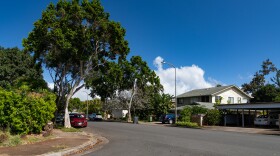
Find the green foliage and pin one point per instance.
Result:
(218, 101)
(25, 112)
(94, 106)
(187, 124)
(260, 88)
(199, 110)
(185, 115)
(267, 93)
(276, 79)
(212, 117)
(188, 111)
(161, 103)
(74, 39)
(18, 68)
(75, 104)
(277, 98)
(6, 139)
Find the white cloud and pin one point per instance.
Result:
(50, 85)
(188, 78)
(82, 94)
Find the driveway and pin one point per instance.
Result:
(138, 140)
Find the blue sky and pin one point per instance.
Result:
(225, 41)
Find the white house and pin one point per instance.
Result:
(208, 96)
(119, 113)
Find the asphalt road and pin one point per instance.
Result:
(149, 140)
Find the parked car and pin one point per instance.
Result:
(95, 117)
(261, 120)
(78, 120)
(265, 120)
(277, 122)
(92, 116)
(167, 118)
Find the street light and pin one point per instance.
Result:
(87, 103)
(163, 62)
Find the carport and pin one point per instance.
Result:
(248, 107)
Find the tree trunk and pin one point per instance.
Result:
(133, 91)
(67, 123)
(129, 113)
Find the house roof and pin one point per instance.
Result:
(210, 91)
(207, 105)
(254, 106)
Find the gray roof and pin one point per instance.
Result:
(209, 91)
(207, 105)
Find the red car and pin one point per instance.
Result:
(78, 120)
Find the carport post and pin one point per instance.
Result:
(237, 117)
(249, 118)
(225, 119)
(279, 121)
(255, 116)
(242, 117)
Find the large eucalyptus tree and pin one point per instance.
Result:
(73, 39)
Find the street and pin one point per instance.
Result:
(138, 140)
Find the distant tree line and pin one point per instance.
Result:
(265, 84)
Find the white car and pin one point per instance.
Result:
(262, 120)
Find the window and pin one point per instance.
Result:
(230, 100)
(239, 100)
(194, 99)
(217, 98)
(180, 101)
(205, 99)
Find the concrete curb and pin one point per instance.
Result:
(75, 150)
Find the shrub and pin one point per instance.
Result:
(25, 112)
(199, 110)
(185, 115)
(212, 117)
(187, 124)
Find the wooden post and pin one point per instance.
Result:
(255, 115)
(237, 118)
(279, 121)
(243, 118)
(250, 117)
(225, 120)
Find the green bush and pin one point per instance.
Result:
(25, 112)
(212, 117)
(187, 124)
(199, 110)
(185, 115)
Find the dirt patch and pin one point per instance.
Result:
(59, 141)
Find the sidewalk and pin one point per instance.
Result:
(63, 143)
(257, 130)
(265, 131)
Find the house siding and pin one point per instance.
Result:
(232, 93)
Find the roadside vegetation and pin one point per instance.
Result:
(72, 129)
(212, 116)
(187, 124)
(9, 140)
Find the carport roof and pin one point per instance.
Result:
(260, 106)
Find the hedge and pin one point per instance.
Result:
(25, 112)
